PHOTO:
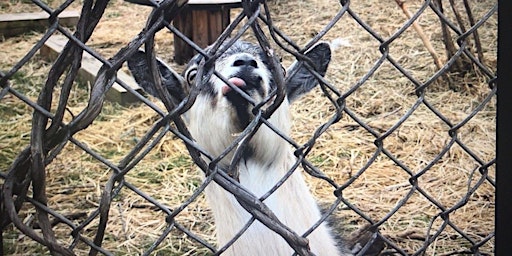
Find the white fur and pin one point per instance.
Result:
(212, 121)
(292, 203)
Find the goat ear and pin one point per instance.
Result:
(171, 80)
(300, 79)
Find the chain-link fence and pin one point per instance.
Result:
(397, 143)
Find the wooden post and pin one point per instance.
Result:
(182, 51)
(202, 22)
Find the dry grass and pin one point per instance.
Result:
(75, 179)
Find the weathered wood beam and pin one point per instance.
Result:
(89, 70)
(13, 24)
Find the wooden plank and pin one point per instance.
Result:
(203, 3)
(13, 24)
(89, 69)
(213, 2)
(215, 18)
(226, 17)
(182, 51)
(201, 28)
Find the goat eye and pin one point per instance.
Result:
(191, 75)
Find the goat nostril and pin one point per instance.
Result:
(238, 63)
(253, 63)
(245, 62)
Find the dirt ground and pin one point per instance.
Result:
(345, 151)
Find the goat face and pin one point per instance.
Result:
(245, 66)
(221, 111)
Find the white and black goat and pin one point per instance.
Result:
(220, 113)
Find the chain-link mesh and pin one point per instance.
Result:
(440, 202)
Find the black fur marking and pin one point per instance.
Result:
(241, 107)
(301, 80)
(139, 67)
(246, 47)
(253, 84)
(248, 153)
(358, 238)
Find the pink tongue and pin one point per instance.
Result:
(235, 81)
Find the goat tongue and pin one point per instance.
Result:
(235, 81)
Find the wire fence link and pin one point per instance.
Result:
(25, 180)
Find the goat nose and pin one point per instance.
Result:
(245, 61)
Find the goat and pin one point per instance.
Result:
(219, 113)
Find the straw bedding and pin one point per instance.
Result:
(75, 179)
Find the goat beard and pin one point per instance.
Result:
(241, 110)
(249, 83)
